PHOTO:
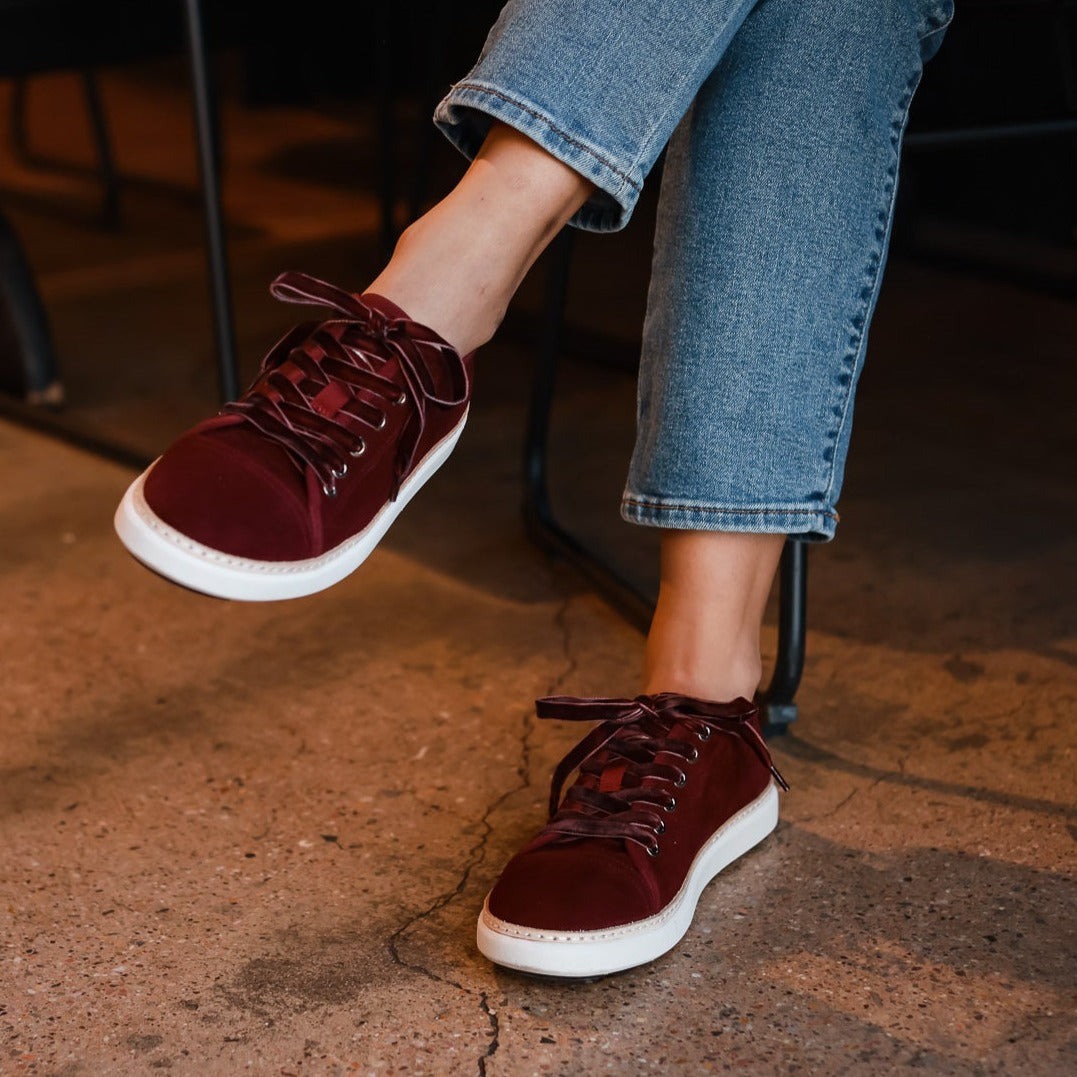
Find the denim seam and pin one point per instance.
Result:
(852, 360)
(544, 118)
(715, 510)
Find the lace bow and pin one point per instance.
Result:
(326, 387)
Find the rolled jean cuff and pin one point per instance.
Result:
(467, 113)
(812, 523)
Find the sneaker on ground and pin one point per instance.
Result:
(669, 791)
(291, 487)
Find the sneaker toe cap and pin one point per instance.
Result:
(233, 493)
(572, 887)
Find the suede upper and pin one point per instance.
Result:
(587, 883)
(349, 412)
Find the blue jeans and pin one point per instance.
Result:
(784, 121)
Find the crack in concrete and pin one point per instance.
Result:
(841, 804)
(495, 1032)
(871, 787)
(477, 853)
(571, 664)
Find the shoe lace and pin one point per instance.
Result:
(323, 389)
(629, 789)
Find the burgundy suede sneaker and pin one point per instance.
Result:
(659, 807)
(291, 487)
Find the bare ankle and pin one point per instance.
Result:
(704, 639)
(716, 680)
(457, 267)
(437, 277)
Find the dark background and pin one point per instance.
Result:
(1002, 63)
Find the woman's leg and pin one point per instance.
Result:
(457, 267)
(775, 215)
(599, 85)
(704, 639)
(776, 205)
(569, 103)
(289, 489)
(773, 226)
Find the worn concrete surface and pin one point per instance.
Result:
(255, 838)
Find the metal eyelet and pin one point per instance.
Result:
(671, 806)
(705, 733)
(329, 491)
(339, 473)
(693, 758)
(402, 398)
(382, 422)
(652, 850)
(660, 828)
(682, 780)
(359, 450)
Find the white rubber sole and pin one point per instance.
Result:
(213, 572)
(598, 953)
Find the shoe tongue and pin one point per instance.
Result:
(611, 778)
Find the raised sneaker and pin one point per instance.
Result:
(669, 791)
(291, 487)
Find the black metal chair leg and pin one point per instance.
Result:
(27, 360)
(778, 706)
(541, 525)
(536, 491)
(31, 392)
(106, 162)
(20, 135)
(544, 529)
(433, 33)
(208, 168)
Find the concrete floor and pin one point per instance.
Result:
(255, 837)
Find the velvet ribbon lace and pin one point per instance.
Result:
(325, 389)
(625, 747)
